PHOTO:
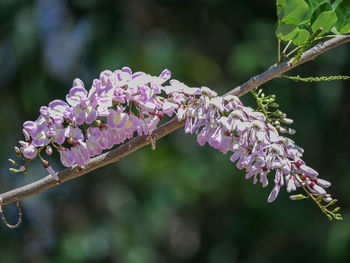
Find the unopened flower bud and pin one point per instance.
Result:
(99, 123)
(328, 199)
(281, 129)
(286, 120)
(290, 131)
(22, 169)
(317, 189)
(12, 162)
(278, 113)
(336, 209)
(51, 171)
(322, 183)
(26, 135)
(308, 170)
(297, 197)
(13, 170)
(274, 104)
(23, 143)
(48, 150)
(17, 151)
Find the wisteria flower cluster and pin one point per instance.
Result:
(123, 104)
(118, 105)
(229, 126)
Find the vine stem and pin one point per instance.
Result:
(131, 146)
(278, 50)
(286, 47)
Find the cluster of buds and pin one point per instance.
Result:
(122, 104)
(268, 106)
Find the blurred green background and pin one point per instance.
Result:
(182, 202)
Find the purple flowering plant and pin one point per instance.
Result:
(122, 106)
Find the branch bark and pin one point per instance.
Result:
(277, 70)
(117, 154)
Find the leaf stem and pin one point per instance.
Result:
(279, 50)
(286, 47)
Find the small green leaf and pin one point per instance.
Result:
(323, 17)
(290, 14)
(320, 7)
(286, 32)
(313, 4)
(301, 38)
(325, 21)
(342, 10)
(291, 11)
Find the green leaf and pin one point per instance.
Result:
(323, 17)
(301, 38)
(336, 3)
(325, 21)
(286, 32)
(291, 11)
(342, 10)
(313, 4)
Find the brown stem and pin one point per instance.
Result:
(277, 70)
(117, 154)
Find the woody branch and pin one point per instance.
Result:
(117, 154)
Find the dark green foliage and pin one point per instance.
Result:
(298, 19)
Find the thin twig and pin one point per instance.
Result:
(277, 70)
(141, 141)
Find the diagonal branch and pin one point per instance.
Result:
(117, 154)
(277, 70)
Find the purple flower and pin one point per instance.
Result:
(48, 150)
(93, 147)
(273, 195)
(29, 151)
(227, 125)
(105, 116)
(57, 132)
(80, 153)
(117, 119)
(75, 133)
(67, 157)
(106, 139)
(59, 110)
